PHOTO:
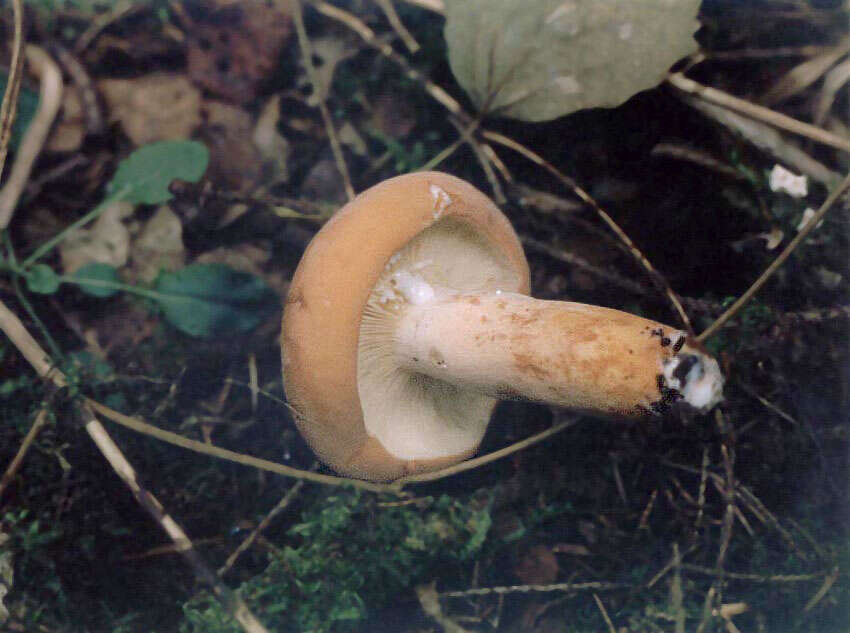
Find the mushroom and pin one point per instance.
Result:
(408, 319)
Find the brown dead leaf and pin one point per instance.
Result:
(228, 133)
(538, 566)
(233, 47)
(158, 246)
(106, 242)
(154, 107)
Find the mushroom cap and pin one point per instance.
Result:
(328, 295)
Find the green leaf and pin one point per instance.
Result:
(144, 176)
(540, 59)
(213, 299)
(97, 272)
(27, 105)
(43, 280)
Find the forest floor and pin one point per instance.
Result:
(169, 163)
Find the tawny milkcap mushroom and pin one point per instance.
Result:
(408, 318)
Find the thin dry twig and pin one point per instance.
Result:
(562, 586)
(249, 540)
(31, 350)
(307, 55)
(432, 5)
(656, 277)
(13, 84)
(605, 615)
(368, 35)
(38, 424)
(101, 22)
(395, 487)
(229, 599)
(759, 578)
(718, 97)
(830, 579)
(776, 263)
(484, 459)
(49, 102)
(397, 25)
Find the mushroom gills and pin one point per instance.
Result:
(413, 415)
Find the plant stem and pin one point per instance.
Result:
(50, 244)
(776, 263)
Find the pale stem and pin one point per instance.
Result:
(512, 346)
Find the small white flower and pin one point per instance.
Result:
(783, 180)
(808, 214)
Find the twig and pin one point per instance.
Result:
(307, 57)
(169, 437)
(776, 263)
(563, 586)
(484, 459)
(39, 423)
(95, 123)
(368, 36)
(101, 22)
(468, 135)
(13, 85)
(713, 95)
(230, 600)
(249, 540)
(676, 560)
(767, 139)
(568, 182)
(677, 596)
(49, 102)
(432, 5)
(17, 333)
(768, 404)
(397, 25)
(605, 615)
(824, 589)
(760, 578)
(582, 264)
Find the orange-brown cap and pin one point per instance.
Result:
(336, 281)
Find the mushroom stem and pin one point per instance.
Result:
(567, 354)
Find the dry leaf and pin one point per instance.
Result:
(234, 47)
(154, 107)
(228, 133)
(158, 246)
(106, 242)
(538, 566)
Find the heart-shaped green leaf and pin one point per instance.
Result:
(213, 299)
(144, 176)
(536, 60)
